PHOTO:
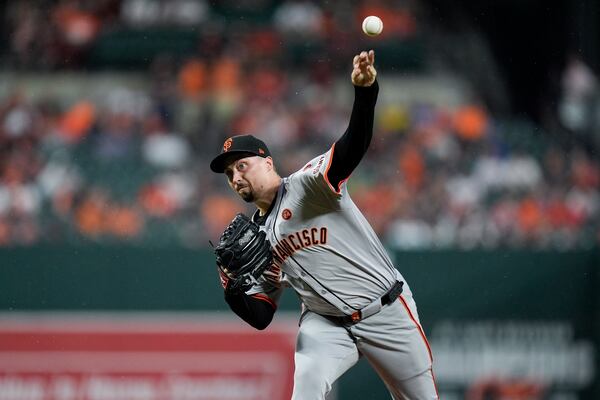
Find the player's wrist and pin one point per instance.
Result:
(367, 86)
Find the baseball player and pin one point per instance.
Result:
(354, 301)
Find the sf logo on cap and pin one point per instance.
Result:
(227, 144)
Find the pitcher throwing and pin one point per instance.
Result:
(354, 301)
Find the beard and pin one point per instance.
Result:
(247, 196)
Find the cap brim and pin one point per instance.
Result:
(221, 161)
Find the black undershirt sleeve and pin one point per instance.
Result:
(256, 312)
(349, 150)
(353, 145)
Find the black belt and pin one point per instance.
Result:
(372, 308)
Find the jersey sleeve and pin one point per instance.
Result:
(258, 304)
(313, 180)
(269, 287)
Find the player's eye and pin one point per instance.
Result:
(241, 166)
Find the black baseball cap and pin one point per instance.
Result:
(244, 146)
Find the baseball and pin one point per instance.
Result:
(372, 25)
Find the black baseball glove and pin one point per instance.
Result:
(243, 254)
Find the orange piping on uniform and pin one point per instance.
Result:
(418, 326)
(263, 297)
(338, 190)
(424, 339)
(434, 384)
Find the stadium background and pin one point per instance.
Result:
(482, 179)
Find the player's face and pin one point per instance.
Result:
(246, 177)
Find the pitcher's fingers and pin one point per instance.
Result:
(363, 65)
(372, 70)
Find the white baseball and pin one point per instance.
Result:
(372, 25)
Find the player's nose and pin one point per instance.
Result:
(236, 179)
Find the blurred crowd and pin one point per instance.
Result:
(131, 164)
(71, 34)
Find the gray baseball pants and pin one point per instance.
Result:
(392, 341)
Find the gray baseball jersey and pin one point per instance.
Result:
(324, 246)
(326, 250)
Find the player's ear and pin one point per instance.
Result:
(269, 162)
